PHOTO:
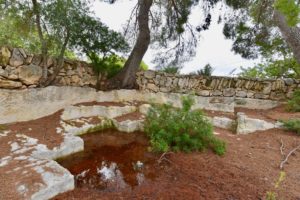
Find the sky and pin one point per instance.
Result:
(212, 48)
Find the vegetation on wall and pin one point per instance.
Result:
(293, 104)
(283, 68)
(172, 129)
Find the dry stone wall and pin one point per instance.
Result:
(20, 69)
(274, 89)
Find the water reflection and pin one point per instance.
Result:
(112, 161)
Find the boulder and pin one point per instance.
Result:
(229, 92)
(223, 122)
(30, 74)
(17, 59)
(3, 72)
(152, 87)
(144, 108)
(8, 84)
(246, 125)
(149, 74)
(5, 55)
(75, 79)
(241, 94)
(204, 93)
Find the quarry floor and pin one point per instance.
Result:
(248, 170)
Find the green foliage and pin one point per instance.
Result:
(206, 71)
(110, 65)
(286, 68)
(271, 196)
(261, 36)
(15, 32)
(290, 9)
(171, 70)
(3, 127)
(292, 125)
(172, 129)
(294, 103)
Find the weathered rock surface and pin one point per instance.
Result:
(9, 84)
(30, 74)
(17, 58)
(32, 104)
(23, 67)
(74, 112)
(246, 125)
(274, 89)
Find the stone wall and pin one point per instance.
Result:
(20, 69)
(275, 89)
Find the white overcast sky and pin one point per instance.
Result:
(212, 47)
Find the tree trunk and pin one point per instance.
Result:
(44, 48)
(60, 63)
(126, 77)
(290, 34)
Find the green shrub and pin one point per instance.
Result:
(172, 129)
(294, 102)
(292, 125)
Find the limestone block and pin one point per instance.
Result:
(56, 180)
(29, 59)
(277, 96)
(241, 93)
(17, 59)
(261, 96)
(289, 81)
(3, 72)
(223, 122)
(37, 60)
(8, 84)
(255, 103)
(267, 88)
(144, 108)
(74, 112)
(246, 125)
(204, 93)
(152, 87)
(129, 126)
(30, 74)
(149, 74)
(229, 92)
(216, 93)
(165, 89)
(30, 104)
(75, 79)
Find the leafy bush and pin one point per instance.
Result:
(110, 65)
(172, 129)
(294, 102)
(292, 125)
(171, 70)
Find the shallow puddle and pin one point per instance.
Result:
(111, 161)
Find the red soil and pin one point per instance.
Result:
(248, 170)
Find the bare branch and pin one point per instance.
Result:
(282, 147)
(287, 157)
(163, 157)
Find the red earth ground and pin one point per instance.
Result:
(248, 170)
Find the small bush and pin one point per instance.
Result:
(294, 103)
(172, 129)
(2, 127)
(292, 125)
